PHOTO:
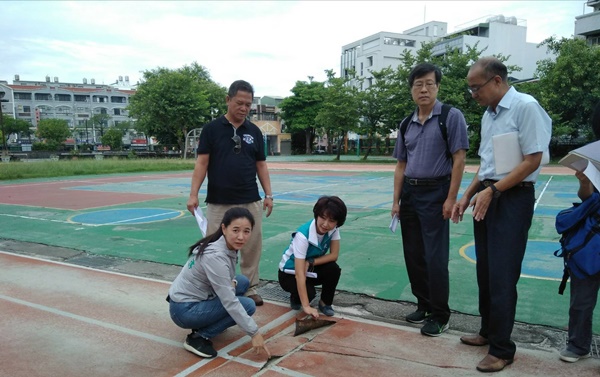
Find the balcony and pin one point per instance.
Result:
(588, 24)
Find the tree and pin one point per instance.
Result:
(170, 103)
(339, 113)
(54, 131)
(568, 86)
(100, 121)
(300, 110)
(15, 126)
(113, 138)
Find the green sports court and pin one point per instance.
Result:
(144, 217)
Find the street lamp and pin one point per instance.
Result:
(4, 148)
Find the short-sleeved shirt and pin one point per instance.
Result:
(516, 112)
(424, 148)
(231, 176)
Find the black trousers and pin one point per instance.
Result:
(328, 275)
(500, 242)
(426, 243)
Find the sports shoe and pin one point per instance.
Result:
(295, 305)
(418, 317)
(199, 345)
(571, 357)
(327, 310)
(434, 328)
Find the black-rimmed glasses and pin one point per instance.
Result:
(237, 140)
(475, 89)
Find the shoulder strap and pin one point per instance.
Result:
(443, 129)
(442, 124)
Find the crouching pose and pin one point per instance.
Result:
(207, 297)
(306, 263)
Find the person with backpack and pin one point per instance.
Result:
(584, 291)
(207, 296)
(430, 151)
(503, 204)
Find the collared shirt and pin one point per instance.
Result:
(307, 243)
(516, 112)
(231, 176)
(424, 148)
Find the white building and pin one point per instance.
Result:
(382, 50)
(588, 25)
(495, 34)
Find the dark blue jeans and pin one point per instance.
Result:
(209, 317)
(426, 244)
(500, 242)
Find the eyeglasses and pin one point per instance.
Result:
(475, 89)
(238, 142)
(429, 85)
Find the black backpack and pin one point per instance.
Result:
(442, 123)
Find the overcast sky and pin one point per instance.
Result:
(270, 44)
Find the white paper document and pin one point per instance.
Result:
(507, 152)
(394, 224)
(201, 220)
(593, 174)
(578, 159)
(293, 272)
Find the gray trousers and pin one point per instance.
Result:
(584, 295)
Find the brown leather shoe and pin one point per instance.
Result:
(474, 340)
(492, 364)
(257, 299)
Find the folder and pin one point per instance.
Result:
(508, 154)
(293, 272)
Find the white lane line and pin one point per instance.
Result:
(40, 219)
(91, 321)
(143, 217)
(542, 193)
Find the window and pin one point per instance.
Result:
(116, 111)
(369, 61)
(23, 96)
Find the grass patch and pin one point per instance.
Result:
(65, 168)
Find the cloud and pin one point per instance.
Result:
(272, 44)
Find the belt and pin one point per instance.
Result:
(427, 181)
(489, 182)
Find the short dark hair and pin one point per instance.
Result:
(240, 85)
(332, 207)
(423, 69)
(230, 215)
(492, 66)
(596, 121)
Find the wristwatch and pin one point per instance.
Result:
(269, 197)
(495, 192)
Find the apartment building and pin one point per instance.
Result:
(588, 25)
(381, 50)
(496, 34)
(33, 101)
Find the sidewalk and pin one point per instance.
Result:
(62, 319)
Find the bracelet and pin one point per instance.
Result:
(269, 197)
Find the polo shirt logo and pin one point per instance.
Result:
(248, 139)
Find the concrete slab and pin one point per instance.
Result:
(60, 319)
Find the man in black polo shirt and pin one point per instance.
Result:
(231, 152)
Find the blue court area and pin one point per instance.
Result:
(371, 257)
(125, 216)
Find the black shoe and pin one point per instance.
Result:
(418, 317)
(434, 328)
(199, 345)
